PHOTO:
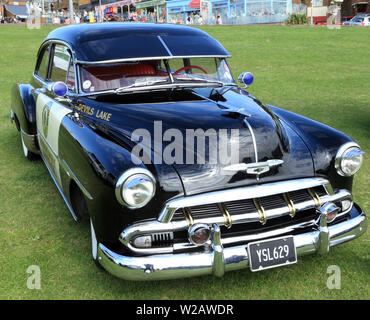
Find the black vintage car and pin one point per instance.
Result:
(181, 172)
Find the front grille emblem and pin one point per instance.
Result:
(256, 168)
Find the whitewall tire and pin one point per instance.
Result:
(94, 242)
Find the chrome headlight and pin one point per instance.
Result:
(135, 188)
(348, 159)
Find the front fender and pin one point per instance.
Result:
(98, 162)
(322, 141)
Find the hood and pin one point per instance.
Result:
(203, 139)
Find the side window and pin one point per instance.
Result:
(60, 66)
(43, 63)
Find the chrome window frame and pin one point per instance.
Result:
(77, 66)
(79, 63)
(46, 82)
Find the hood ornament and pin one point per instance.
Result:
(255, 168)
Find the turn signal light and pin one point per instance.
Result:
(199, 234)
(330, 210)
(143, 242)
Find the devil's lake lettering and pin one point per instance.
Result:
(85, 109)
(90, 111)
(103, 115)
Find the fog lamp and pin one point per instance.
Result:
(199, 234)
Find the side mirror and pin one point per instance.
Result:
(246, 78)
(59, 88)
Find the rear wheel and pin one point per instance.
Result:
(27, 153)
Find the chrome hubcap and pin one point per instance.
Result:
(25, 150)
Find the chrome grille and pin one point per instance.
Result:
(243, 214)
(246, 206)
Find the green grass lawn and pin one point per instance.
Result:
(319, 73)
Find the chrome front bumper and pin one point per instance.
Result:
(217, 259)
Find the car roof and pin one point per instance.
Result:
(109, 42)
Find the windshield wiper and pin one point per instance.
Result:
(220, 83)
(139, 84)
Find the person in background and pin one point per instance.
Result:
(67, 21)
(200, 20)
(219, 20)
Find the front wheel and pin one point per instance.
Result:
(94, 246)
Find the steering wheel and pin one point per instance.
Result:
(187, 68)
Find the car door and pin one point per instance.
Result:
(51, 109)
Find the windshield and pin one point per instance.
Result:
(140, 75)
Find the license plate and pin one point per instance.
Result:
(271, 253)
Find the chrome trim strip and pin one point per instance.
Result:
(249, 192)
(253, 139)
(41, 135)
(154, 226)
(165, 46)
(172, 266)
(150, 58)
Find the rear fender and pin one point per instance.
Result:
(23, 105)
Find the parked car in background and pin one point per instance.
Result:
(164, 206)
(360, 20)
